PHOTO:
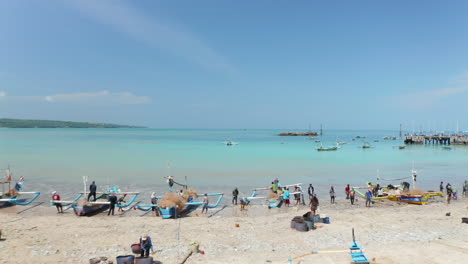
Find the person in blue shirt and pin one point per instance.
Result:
(286, 197)
(146, 245)
(368, 197)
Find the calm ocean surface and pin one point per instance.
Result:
(140, 156)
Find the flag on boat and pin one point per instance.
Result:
(8, 175)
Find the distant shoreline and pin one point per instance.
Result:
(26, 123)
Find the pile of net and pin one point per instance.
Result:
(416, 192)
(11, 193)
(171, 199)
(190, 193)
(272, 196)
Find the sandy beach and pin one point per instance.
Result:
(389, 233)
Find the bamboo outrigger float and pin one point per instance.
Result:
(14, 196)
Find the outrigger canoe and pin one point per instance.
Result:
(170, 212)
(275, 203)
(16, 196)
(85, 208)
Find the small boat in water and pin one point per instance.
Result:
(342, 143)
(402, 147)
(447, 147)
(331, 148)
(366, 146)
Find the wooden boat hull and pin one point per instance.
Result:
(327, 149)
(90, 210)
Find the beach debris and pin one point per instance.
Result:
(100, 260)
(237, 225)
(465, 220)
(194, 249)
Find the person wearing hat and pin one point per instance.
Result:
(146, 245)
(56, 197)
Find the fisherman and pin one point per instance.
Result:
(243, 203)
(235, 193)
(449, 191)
(310, 190)
(170, 181)
(351, 196)
(332, 194)
(154, 201)
(92, 191)
(347, 189)
(181, 193)
(120, 201)
(314, 203)
(465, 188)
(273, 187)
(113, 201)
(297, 195)
(286, 196)
(205, 204)
(368, 197)
(146, 245)
(56, 197)
(441, 187)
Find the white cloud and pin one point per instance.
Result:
(99, 97)
(427, 98)
(152, 32)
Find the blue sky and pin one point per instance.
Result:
(236, 64)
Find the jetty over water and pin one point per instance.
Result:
(437, 139)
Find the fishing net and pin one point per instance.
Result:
(171, 199)
(190, 193)
(416, 192)
(12, 193)
(272, 195)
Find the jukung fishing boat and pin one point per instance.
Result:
(82, 207)
(15, 196)
(190, 205)
(272, 203)
(414, 196)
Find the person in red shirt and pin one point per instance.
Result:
(56, 197)
(347, 190)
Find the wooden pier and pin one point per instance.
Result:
(437, 139)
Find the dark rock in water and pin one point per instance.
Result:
(309, 133)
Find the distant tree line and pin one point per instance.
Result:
(23, 123)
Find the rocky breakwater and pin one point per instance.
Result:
(308, 133)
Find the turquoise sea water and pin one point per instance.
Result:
(141, 156)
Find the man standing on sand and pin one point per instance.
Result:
(113, 201)
(146, 245)
(92, 191)
(286, 197)
(368, 197)
(314, 203)
(449, 191)
(347, 191)
(205, 204)
(56, 197)
(441, 187)
(332, 194)
(235, 193)
(351, 196)
(310, 190)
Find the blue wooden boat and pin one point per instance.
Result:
(15, 196)
(170, 212)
